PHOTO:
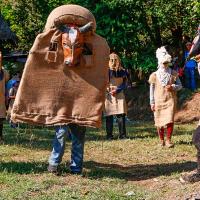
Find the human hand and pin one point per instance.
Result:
(153, 107)
(113, 92)
(169, 87)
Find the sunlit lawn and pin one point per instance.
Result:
(136, 168)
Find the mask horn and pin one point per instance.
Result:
(86, 28)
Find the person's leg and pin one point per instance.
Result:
(1, 130)
(58, 148)
(77, 150)
(187, 78)
(161, 135)
(170, 128)
(109, 126)
(121, 125)
(193, 82)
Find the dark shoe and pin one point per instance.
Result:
(53, 169)
(123, 137)
(13, 125)
(109, 137)
(75, 173)
(1, 140)
(190, 178)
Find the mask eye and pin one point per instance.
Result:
(66, 45)
(77, 45)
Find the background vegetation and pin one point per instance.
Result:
(133, 28)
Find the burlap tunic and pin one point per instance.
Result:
(115, 104)
(2, 94)
(165, 101)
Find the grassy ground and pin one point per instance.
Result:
(136, 168)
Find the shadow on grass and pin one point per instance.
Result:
(181, 142)
(23, 167)
(35, 138)
(29, 167)
(101, 170)
(136, 172)
(41, 137)
(134, 131)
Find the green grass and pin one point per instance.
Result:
(111, 168)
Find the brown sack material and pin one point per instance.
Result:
(70, 14)
(165, 101)
(51, 93)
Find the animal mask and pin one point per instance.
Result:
(73, 42)
(163, 56)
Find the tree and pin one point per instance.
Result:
(133, 29)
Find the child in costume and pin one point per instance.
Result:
(163, 86)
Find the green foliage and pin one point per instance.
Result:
(133, 29)
(13, 67)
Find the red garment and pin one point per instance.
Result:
(180, 72)
(170, 128)
(161, 131)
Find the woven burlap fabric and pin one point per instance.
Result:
(72, 14)
(115, 105)
(51, 93)
(165, 101)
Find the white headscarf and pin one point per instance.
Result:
(163, 73)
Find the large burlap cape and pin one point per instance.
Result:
(51, 93)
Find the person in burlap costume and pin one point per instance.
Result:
(115, 103)
(67, 73)
(195, 175)
(163, 86)
(4, 77)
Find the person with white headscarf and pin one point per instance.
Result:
(163, 86)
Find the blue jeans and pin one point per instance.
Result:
(190, 78)
(77, 134)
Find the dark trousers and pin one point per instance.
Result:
(121, 125)
(190, 81)
(1, 127)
